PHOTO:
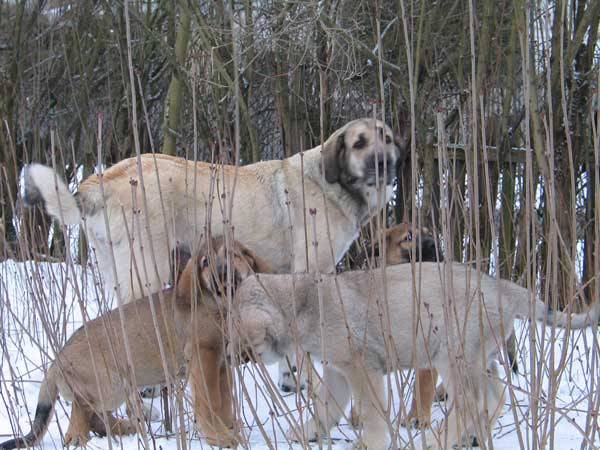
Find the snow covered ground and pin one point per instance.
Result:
(32, 309)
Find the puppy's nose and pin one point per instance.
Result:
(246, 356)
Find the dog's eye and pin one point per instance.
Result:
(204, 262)
(388, 139)
(409, 236)
(361, 143)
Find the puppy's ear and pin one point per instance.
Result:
(256, 263)
(181, 256)
(330, 154)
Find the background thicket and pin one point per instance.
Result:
(499, 96)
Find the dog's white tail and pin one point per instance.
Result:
(42, 184)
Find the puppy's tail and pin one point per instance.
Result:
(551, 317)
(41, 184)
(575, 321)
(43, 413)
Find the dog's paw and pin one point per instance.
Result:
(355, 421)
(440, 394)
(222, 441)
(288, 381)
(309, 433)
(371, 443)
(416, 422)
(151, 412)
(124, 428)
(76, 439)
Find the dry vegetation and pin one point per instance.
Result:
(500, 96)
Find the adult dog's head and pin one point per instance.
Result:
(363, 155)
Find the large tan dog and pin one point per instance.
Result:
(91, 370)
(339, 320)
(269, 210)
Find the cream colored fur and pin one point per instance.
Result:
(181, 199)
(366, 334)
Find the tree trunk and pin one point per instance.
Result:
(175, 95)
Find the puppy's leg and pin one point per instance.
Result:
(476, 398)
(490, 405)
(118, 427)
(440, 393)
(420, 409)
(483, 403)
(78, 432)
(368, 389)
(227, 413)
(331, 398)
(204, 375)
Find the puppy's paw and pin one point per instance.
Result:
(309, 433)
(222, 441)
(288, 381)
(371, 443)
(151, 412)
(355, 421)
(76, 439)
(440, 394)
(416, 422)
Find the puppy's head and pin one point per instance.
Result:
(259, 332)
(363, 153)
(399, 242)
(217, 264)
(399, 245)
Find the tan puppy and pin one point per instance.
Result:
(270, 205)
(339, 321)
(400, 250)
(91, 369)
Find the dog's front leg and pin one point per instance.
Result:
(205, 370)
(226, 414)
(78, 432)
(331, 398)
(423, 394)
(371, 404)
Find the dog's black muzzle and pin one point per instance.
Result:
(381, 167)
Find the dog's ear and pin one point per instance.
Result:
(256, 263)
(330, 154)
(195, 278)
(402, 135)
(180, 258)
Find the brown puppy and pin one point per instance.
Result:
(92, 369)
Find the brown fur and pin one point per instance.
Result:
(90, 368)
